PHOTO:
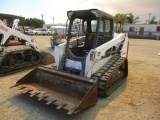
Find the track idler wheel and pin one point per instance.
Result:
(11, 61)
(33, 59)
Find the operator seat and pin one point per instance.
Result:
(89, 40)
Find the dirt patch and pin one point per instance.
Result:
(129, 103)
(137, 98)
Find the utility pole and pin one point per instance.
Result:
(149, 17)
(53, 19)
(42, 16)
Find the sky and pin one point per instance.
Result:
(58, 8)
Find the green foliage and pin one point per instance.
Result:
(117, 18)
(34, 22)
(131, 19)
(152, 21)
(120, 18)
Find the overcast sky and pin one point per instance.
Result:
(59, 8)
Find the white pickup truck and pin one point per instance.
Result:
(47, 32)
(34, 32)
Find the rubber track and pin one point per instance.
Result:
(29, 66)
(104, 75)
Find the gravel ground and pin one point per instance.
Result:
(136, 99)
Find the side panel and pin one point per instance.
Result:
(7, 32)
(103, 48)
(93, 66)
(124, 50)
(58, 52)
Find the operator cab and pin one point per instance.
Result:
(87, 29)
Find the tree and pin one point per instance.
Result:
(123, 18)
(131, 19)
(120, 19)
(152, 21)
(34, 22)
(116, 20)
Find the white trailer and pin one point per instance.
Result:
(142, 30)
(59, 30)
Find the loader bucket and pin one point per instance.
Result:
(67, 91)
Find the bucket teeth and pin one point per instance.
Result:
(60, 105)
(13, 86)
(34, 93)
(71, 111)
(65, 91)
(21, 87)
(26, 90)
(51, 101)
(42, 97)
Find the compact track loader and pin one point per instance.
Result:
(92, 63)
(17, 50)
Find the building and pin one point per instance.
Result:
(48, 26)
(147, 31)
(76, 28)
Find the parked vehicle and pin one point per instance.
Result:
(34, 32)
(17, 50)
(59, 34)
(28, 31)
(61, 30)
(86, 66)
(46, 32)
(58, 30)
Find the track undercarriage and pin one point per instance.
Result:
(16, 60)
(111, 75)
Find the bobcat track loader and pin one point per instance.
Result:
(17, 50)
(92, 63)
